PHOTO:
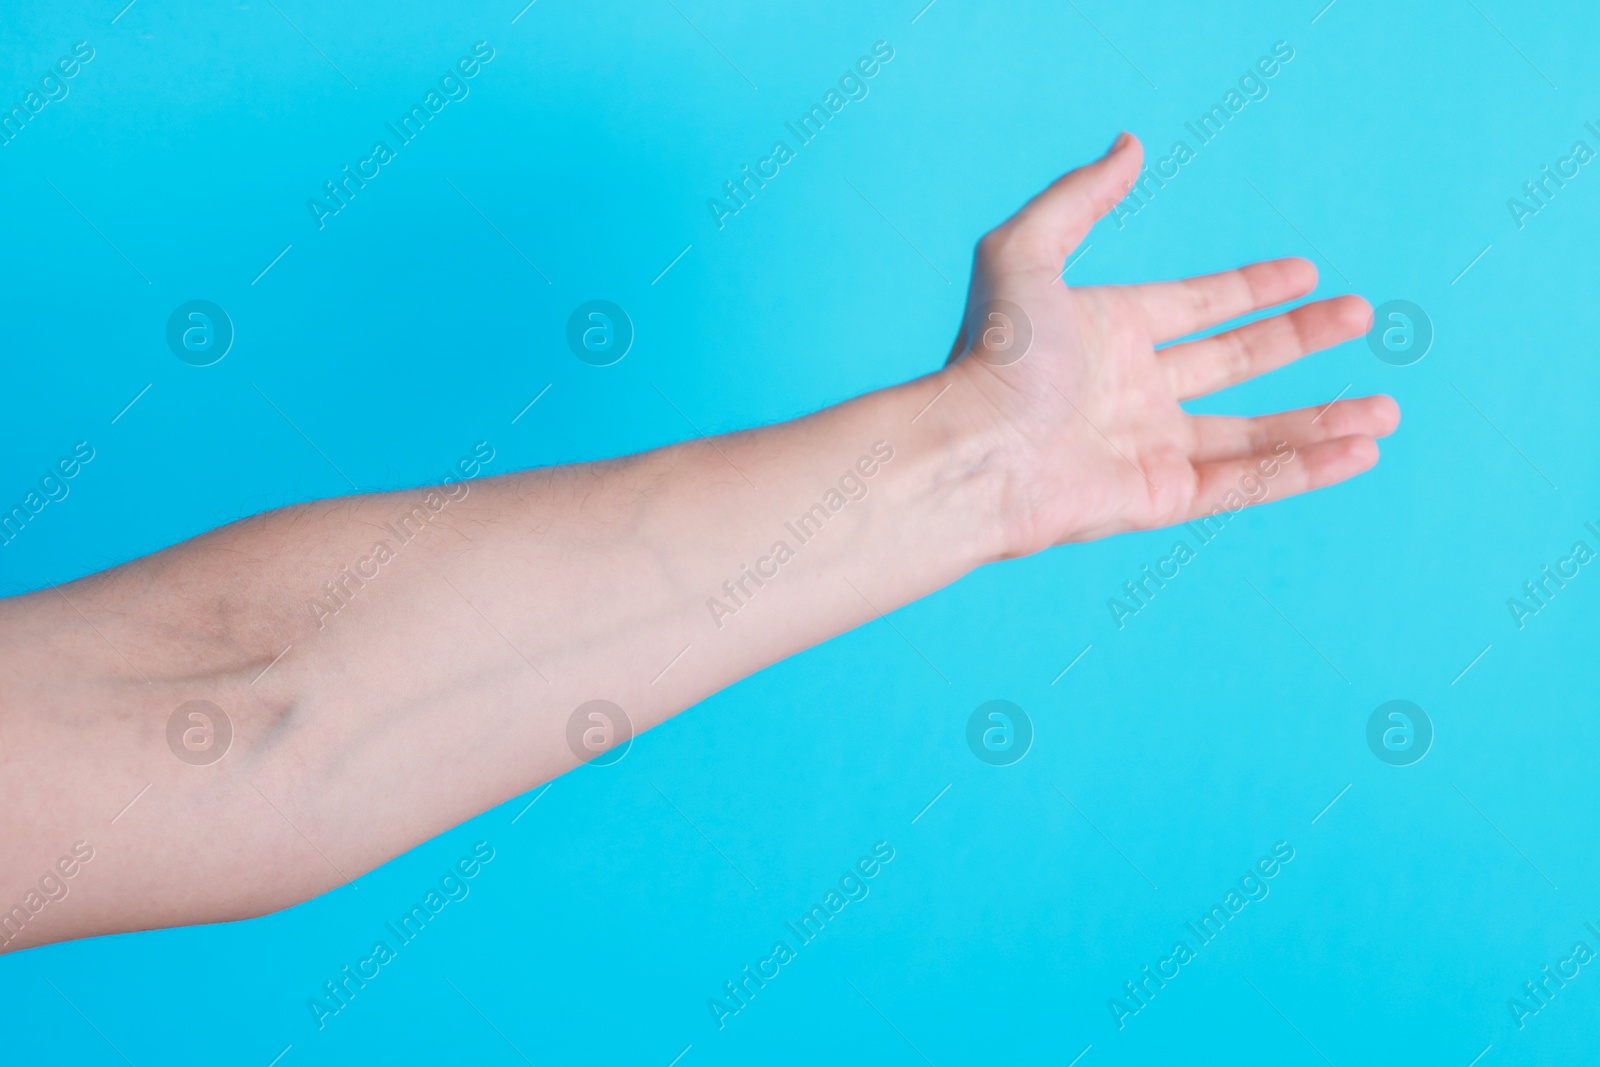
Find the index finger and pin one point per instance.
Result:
(1175, 309)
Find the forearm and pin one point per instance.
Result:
(387, 678)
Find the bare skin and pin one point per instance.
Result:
(445, 682)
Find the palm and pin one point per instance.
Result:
(1093, 405)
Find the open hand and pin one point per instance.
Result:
(1094, 435)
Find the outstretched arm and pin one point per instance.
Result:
(440, 641)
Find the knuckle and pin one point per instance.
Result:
(1254, 295)
(1202, 302)
(1240, 354)
(1294, 328)
(991, 244)
(1016, 238)
(1260, 437)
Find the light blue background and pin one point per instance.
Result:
(1194, 739)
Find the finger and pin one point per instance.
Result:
(1218, 438)
(1174, 309)
(1196, 368)
(1054, 222)
(1229, 484)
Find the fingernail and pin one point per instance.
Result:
(1122, 139)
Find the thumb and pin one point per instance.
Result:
(1055, 221)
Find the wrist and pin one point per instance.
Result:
(975, 466)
